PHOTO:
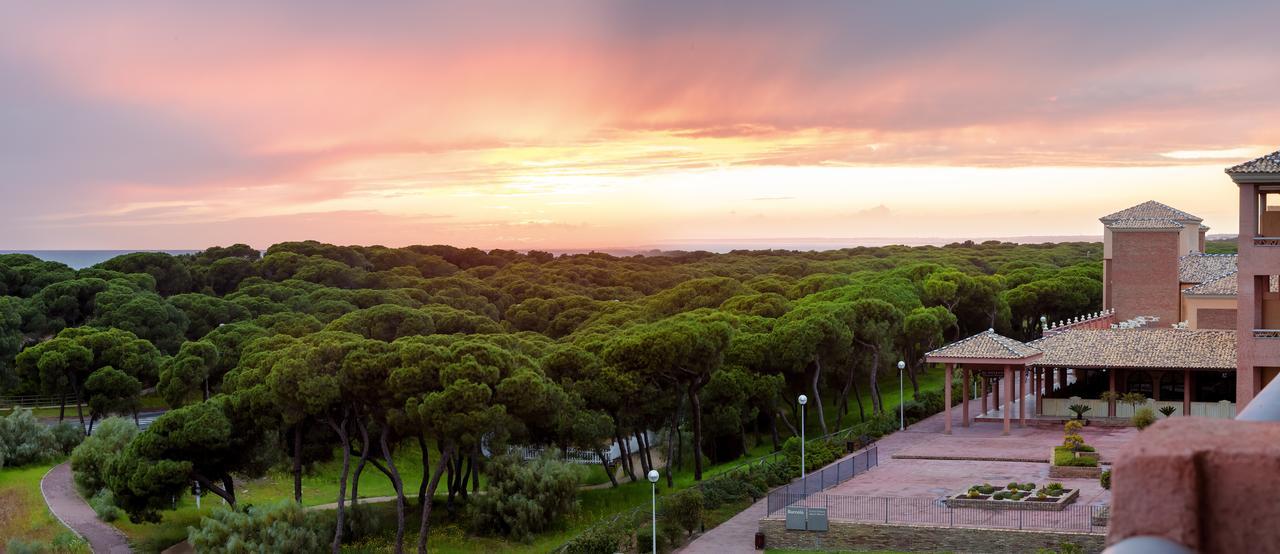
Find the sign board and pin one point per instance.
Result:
(796, 518)
(817, 520)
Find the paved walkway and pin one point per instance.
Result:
(66, 504)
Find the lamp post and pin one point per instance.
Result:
(803, 400)
(653, 532)
(902, 411)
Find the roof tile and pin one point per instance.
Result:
(988, 345)
(1200, 268)
(1150, 210)
(1266, 164)
(1139, 348)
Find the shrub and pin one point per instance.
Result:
(89, 459)
(1073, 442)
(24, 440)
(362, 522)
(603, 539)
(1105, 479)
(1013, 486)
(1143, 418)
(523, 498)
(1072, 427)
(1168, 410)
(1079, 409)
(67, 436)
(104, 504)
(283, 526)
(684, 509)
(817, 453)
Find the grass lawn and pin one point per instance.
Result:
(320, 486)
(23, 514)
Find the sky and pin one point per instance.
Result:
(601, 124)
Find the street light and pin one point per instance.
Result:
(653, 532)
(803, 400)
(902, 410)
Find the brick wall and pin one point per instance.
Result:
(1215, 318)
(919, 538)
(1142, 278)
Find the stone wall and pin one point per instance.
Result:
(1074, 472)
(1215, 318)
(913, 538)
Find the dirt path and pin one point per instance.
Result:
(60, 494)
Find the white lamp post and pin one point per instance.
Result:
(902, 411)
(803, 400)
(653, 532)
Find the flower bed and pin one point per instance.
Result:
(1072, 464)
(1015, 496)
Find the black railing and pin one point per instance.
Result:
(823, 479)
(934, 512)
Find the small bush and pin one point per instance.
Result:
(89, 459)
(684, 509)
(1072, 427)
(104, 504)
(67, 436)
(280, 527)
(523, 498)
(598, 540)
(1105, 479)
(24, 440)
(1073, 442)
(1143, 418)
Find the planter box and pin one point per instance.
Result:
(1090, 455)
(1050, 504)
(1074, 472)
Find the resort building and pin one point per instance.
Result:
(1195, 332)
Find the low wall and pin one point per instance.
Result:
(1057, 407)
(1074, 472)
(919, 538)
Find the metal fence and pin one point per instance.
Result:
(36, 401)
(823, 479)
(935, 512)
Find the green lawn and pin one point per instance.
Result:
(320, 486)
(23, 514)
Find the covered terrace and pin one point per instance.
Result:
(986, 355)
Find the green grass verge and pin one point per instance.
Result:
(1063, 456)
(24, 515)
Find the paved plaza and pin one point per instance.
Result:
(922, 462)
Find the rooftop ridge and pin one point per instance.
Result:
(1150, 210)
(1268, 163)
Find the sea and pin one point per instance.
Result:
(80, 259)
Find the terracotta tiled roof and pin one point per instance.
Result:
(1144, 224)
(1200, 268)
(987, 345)
(1223, 285)
(1266, 164)
(1139, 348)
(1150, 210)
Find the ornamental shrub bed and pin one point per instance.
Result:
(1015, 496)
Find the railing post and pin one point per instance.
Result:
(886, 509)
(1020, 518)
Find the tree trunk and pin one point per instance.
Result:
(426, 470)
(604, 462)
(787, 421)
(857, 395)
(462, 483)
(844, 396)
(773, 430)
(341, 430)
(397, 484)
(79, 405)
(226, 492)
(62, 406)
(644, 463)
(445, 454)
(625, 457)
(695, 404)
(230, 487)
(364, 458)
(817, 395)
(475, 475)
(915, 383)
(297, 462)
(93, 418)
(673, 440)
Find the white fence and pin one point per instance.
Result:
(1098, 408)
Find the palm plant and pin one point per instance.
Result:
(1079, 410)
(1168, 410)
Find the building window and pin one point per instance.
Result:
(1171, 386)
(1138, 381)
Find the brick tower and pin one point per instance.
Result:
(1141, 247)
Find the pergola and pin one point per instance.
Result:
(986, 352)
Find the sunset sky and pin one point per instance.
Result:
(596, 124)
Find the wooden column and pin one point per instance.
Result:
(964, 397)
(995, 392)
(1155, 384)
(1186, 392)
(1022, 396)
(946, 398)
(1037, 385)
(1111, 386)
(1062, 378)
(983, 380)
(1008, 397)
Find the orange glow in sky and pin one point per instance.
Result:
(570, 125)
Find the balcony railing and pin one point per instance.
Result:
(1266, 333)
(1266, 241)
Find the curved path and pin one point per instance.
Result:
(66, 504)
